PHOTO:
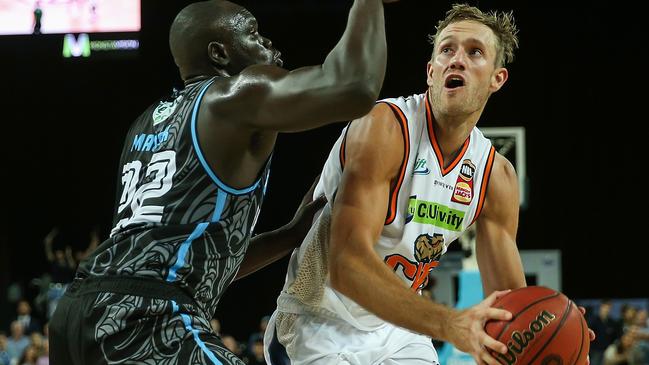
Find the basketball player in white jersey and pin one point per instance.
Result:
(404, 182)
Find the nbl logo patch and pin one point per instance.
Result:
(463, 191)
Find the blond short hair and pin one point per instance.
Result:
(501, 23)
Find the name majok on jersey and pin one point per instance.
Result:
(463, 192)
(150, 142)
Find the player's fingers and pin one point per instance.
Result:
(317, 204)
(591, 333)
(491, 299)
(490, 343)
(309, 194)
(498, 314)
(478, 360)
(487, 358)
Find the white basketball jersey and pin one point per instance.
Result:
(429, 207)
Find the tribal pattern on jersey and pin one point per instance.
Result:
(175, 220)
(173, 338)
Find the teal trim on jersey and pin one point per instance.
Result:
(199, 153)
(267, 175)
(182, 252)
(188, 326)
(220, 204)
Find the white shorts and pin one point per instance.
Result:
(314, 340)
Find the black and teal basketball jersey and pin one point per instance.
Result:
(174, 219)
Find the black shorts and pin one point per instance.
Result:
(101, 321)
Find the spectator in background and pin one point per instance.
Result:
(24, 316)
(4, 356)
(36, 340)
(62, 268)
(80, 255)
(619, 352)
(46, 330)
(640, 352)
(256, 350)
(216, 326)
(29, 357)
(628, 315)
(62, 264)
(18, 342)
(607, 330)
(641, 320)
(44, 357)
(263, 323)
(233, 345)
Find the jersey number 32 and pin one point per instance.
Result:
(155, 182)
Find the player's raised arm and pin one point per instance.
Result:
(344, 87)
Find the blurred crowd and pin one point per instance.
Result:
(24, 340)
(622, 340)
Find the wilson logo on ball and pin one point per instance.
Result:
(521, 340)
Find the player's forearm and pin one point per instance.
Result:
(501, 279)
(265, 249)
(500, 263)
(369, 282)
(359, 59)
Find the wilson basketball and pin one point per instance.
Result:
(547, 328)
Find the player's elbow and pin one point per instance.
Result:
(365, 97)
(336, 273)
(357, 99)
(340, 271)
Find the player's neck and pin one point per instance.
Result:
(195, 79)
(451, 133)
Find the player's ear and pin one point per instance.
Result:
(218, 54)
(429, 73)
(498, 79)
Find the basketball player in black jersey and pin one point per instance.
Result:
(192, 178)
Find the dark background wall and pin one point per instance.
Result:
(577, 85)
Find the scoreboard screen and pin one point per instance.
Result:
(69, 16)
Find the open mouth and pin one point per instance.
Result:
(454, 81)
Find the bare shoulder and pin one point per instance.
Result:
(378, 132)
(376, 139)
(237, 95)
(379, 125)
(503, 172)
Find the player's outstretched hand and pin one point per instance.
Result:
(303, 219)
(467, 333)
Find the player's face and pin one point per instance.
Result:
(462, 72)
(248, 46)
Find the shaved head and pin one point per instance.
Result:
(218, 37)
(195, 27)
